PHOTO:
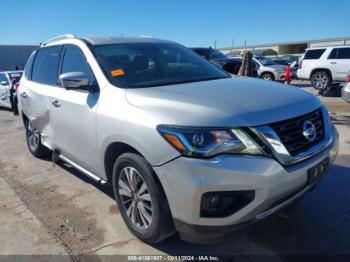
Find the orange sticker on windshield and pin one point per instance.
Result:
(117, 72)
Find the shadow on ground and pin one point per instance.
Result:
(341, 120)
(319, 225)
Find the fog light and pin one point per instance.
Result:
(224, 203)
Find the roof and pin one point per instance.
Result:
(328, 46)
(288, 43)
(105, 40)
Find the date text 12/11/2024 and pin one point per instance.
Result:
(173, 258)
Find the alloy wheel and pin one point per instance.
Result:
(319, 80)
(33, 136)
(135, 197)
(267, 77)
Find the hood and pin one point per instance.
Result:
(230, 102)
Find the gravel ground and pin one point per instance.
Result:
(48, 209)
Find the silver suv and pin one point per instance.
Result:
(185, 146)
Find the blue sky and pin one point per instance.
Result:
(192, 23)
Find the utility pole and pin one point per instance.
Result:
(245, 43)
(233, 44)
(215, 43)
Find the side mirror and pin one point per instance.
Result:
(74, 81)
(4, 83)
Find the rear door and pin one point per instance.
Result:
(34, 92)
(73, 113)
(341, 64)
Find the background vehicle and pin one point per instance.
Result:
(267, 69)
(9, 82)
(346, 90)
(281, 62)
(151, 118)
(322, 66)
(229, 64)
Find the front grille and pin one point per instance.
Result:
(291, 134)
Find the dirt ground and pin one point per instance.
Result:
(48, 209)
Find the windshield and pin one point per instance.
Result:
(215, 54)
(265, 61)
(137, 65)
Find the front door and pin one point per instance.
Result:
(73, 114)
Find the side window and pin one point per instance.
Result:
(343, 53)
(29, 66)
(75, 61)
(45, 67)
(333, 54)
(314, 54)
(2, 78)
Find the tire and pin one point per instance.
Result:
(15, 106)
(320, 79)
(156, 224)
(33, 138)
(268, 76)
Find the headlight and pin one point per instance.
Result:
(204, 142)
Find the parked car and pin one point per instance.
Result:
(269, 70)
(229, 64)
(346, 90)
(324, 65)
(185, 146)
(281, 62)
(9, 81)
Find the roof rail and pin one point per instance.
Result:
(61, 37)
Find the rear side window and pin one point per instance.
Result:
(313, 54)
(29, 66)
(45, 67)
(333, 54)
(343, 53)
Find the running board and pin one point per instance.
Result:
(83, 170)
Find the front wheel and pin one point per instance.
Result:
(141, 200)
(268, 76)
(34, 141)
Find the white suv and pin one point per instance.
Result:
(325, 65)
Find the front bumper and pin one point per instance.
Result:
(346, 93)
(185, 180)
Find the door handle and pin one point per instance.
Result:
(56, 103)
(333, 63)
(24, 94)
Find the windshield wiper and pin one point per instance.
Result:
(178, 82)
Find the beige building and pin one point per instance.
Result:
(285, 49)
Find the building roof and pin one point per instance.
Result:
(288, 43)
